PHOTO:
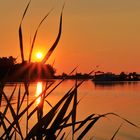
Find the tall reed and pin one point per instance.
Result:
(50, 125)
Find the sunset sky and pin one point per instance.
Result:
(95, 32)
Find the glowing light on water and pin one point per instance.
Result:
(38, 91)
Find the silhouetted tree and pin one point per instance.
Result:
(64, 74)
(122, 76)
(7, 61)
(51, 69)
(133, 76)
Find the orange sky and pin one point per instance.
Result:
(95, 32)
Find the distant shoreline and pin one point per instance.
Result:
(53, 79)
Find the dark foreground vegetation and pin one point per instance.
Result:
(48, 125)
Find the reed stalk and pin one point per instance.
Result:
(62, 115)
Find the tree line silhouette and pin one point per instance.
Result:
(101, 76)
(12, 71)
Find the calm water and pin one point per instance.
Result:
(122, 98)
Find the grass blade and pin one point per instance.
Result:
(11, 136)
(34, 38)
(6, 108)
(45, 121)
(18, 101)
(1, 89)
(74, 109)
(21, 44)
(65, 120)
(88, 128)
(49, 103)
(84, 122)
(122, 119)
(31, 113)
(26, 86)
(61, 114)
(25, 11)
(20, 33)
(13, 115)
(116, 132)
(8, 122)
(62, 136)
(2, 124)
(48, 54)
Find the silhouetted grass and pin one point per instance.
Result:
(62, 115)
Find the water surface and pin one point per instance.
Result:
(122, 98)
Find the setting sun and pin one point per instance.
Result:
(39, 55)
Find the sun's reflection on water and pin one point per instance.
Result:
(38, 91)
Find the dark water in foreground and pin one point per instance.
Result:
(122, 98)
